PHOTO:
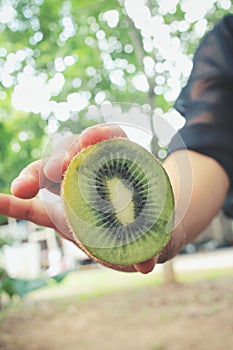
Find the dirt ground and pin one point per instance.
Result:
(185, 316)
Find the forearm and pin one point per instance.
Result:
(200, 185)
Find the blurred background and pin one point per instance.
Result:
(61, 63)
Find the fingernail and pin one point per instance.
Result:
(53, 169)
(156, 258)
(53, 163)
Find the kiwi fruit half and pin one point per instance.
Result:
(118, 202)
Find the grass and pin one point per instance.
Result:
(87, 284)
(209, 275)
(91, 283)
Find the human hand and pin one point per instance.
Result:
(48, 173)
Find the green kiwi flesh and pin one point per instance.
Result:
(118, 202)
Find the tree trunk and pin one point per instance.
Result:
(168, 270)
(169, 273)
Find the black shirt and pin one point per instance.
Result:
(206, 101)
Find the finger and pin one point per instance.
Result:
(99, 133)
(31, 179)
(146, 266)
(61, 158)
(27, 184)
(177, 241)
(30, 209)
(35, 211)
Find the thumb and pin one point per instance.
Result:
(99, 133)
(62, 156)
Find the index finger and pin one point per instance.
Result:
(27, 184)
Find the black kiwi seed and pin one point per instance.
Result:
(118, 202)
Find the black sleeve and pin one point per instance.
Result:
(206, 101)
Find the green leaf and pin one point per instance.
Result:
(20, 287)
(60, 277)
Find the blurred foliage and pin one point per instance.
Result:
(20, 287)
(86, 53)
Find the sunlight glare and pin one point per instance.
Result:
(30, 95)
